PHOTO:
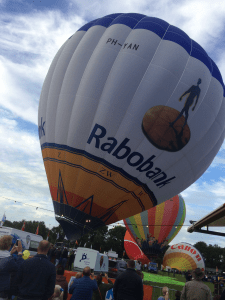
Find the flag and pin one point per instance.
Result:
(48, 235)
(65, 238)
(3, 219)
(23, 227)
(37, 229)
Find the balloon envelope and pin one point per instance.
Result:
(132, 249)
(183, 257)
(155, 228)
(131, 113)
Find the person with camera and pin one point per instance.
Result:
(100, 293)
(8, 265)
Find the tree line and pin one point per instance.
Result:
(213, 255)
(105, 239)
(102, 239)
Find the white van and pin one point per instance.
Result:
(29, 241)
(86, 257)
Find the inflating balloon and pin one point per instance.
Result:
(132, 249)
(155, 228)
(183, 257)
(131, 113)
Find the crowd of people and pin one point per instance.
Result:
(151, 244)
(61, 256)
(41, 277)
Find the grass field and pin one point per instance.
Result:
(173, 283)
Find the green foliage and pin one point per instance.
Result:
(214, 255)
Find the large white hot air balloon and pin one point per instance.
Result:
(131, 113)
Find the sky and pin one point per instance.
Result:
(31, 34)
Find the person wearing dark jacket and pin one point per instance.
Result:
(61, 280)
(82, 289)
(8, 265)
(36, 276)
(100, 293)
(64, 257)
(71, 260)
(128, 285)
(58, 254)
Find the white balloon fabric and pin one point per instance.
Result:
(131, 113)
(183, 257)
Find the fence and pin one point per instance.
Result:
(157, 292)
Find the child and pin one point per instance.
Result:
(58, 293)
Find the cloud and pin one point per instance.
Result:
(28, 45)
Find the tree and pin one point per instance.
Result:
(115, 240)
(95, 238)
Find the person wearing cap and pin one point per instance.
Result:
(196, 289)
(100, 293)
(8, 265)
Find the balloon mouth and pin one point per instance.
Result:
(74, 229)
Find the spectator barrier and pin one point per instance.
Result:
(149, 291)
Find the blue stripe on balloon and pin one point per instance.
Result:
(151, 26)
(125, 20)
(216, 73)
(106, 22)
(178, 39)
(164, 31)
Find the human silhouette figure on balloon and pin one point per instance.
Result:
(194, 92)
(165, 127)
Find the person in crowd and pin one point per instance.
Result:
(128, 285)
(196, 289)
(36, 276)
(9, 266)
(177, 295)
(188, 276)
(71, 260)
(58, 293)
(165, 292)
(51, 252)
(57, 256)
(61, 280)
(218, 286)
(83, 288)
(64, 257)
(138, 265)
(78, 275)
(100, 293)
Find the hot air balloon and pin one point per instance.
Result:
(155, 228)
(131, 113)
(132, 249)
(183, 257)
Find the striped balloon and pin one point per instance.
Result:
(157, 226)
(183, 257)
